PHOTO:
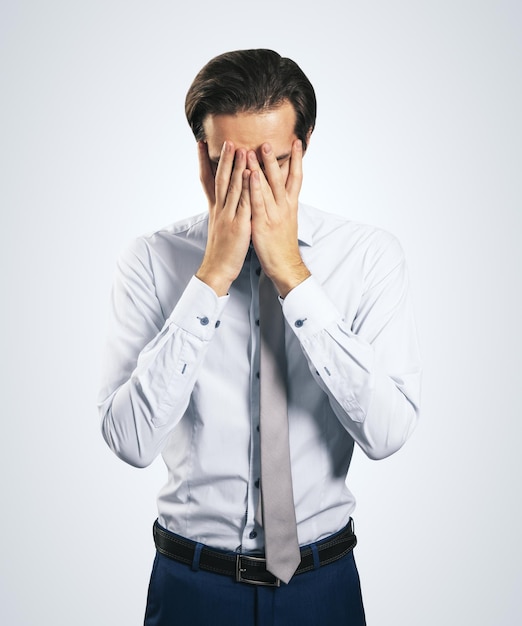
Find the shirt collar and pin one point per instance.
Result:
(304, 226)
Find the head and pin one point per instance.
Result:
(250, 82)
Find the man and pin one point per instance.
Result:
(184, 371)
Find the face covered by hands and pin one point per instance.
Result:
(251, 172)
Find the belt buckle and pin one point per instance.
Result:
(239, 572)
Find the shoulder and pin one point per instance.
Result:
(189, 232)
(349, 236)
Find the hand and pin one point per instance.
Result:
(274, 203)
(229, 228)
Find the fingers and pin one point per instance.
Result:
(254, 165)
(236, 182)
(257, 202)
(223, 173)
(259, 185)
(273, 173)
(206, 175)
(295, 175)
(233, 183)
(244, 206)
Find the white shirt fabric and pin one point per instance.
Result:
(181, 375)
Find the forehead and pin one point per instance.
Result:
(251, 129)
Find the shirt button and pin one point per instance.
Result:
(253, 534)
(257, 428)
(258, 271)
(257, 322)
(257, 483)
(203, 321)
(299, 323)
(217, 324)
(257, 374)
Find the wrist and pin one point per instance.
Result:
(289, 277)
(216, 281)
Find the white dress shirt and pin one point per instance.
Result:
(181, 375)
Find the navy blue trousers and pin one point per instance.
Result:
(180, 596)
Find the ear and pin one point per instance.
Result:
(308, 137)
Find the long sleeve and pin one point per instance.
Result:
(151, 361)
(369, 364)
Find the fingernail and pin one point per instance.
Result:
(267, 148)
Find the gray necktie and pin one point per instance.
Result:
(278, 511)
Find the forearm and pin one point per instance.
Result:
(381, 414)
(139, 410)
(373, 387)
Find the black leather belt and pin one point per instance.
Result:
(247, 568)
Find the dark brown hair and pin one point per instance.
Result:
(253, 81)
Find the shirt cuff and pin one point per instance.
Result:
(198, 310)
(308, 310)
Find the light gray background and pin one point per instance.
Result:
(419, 131)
